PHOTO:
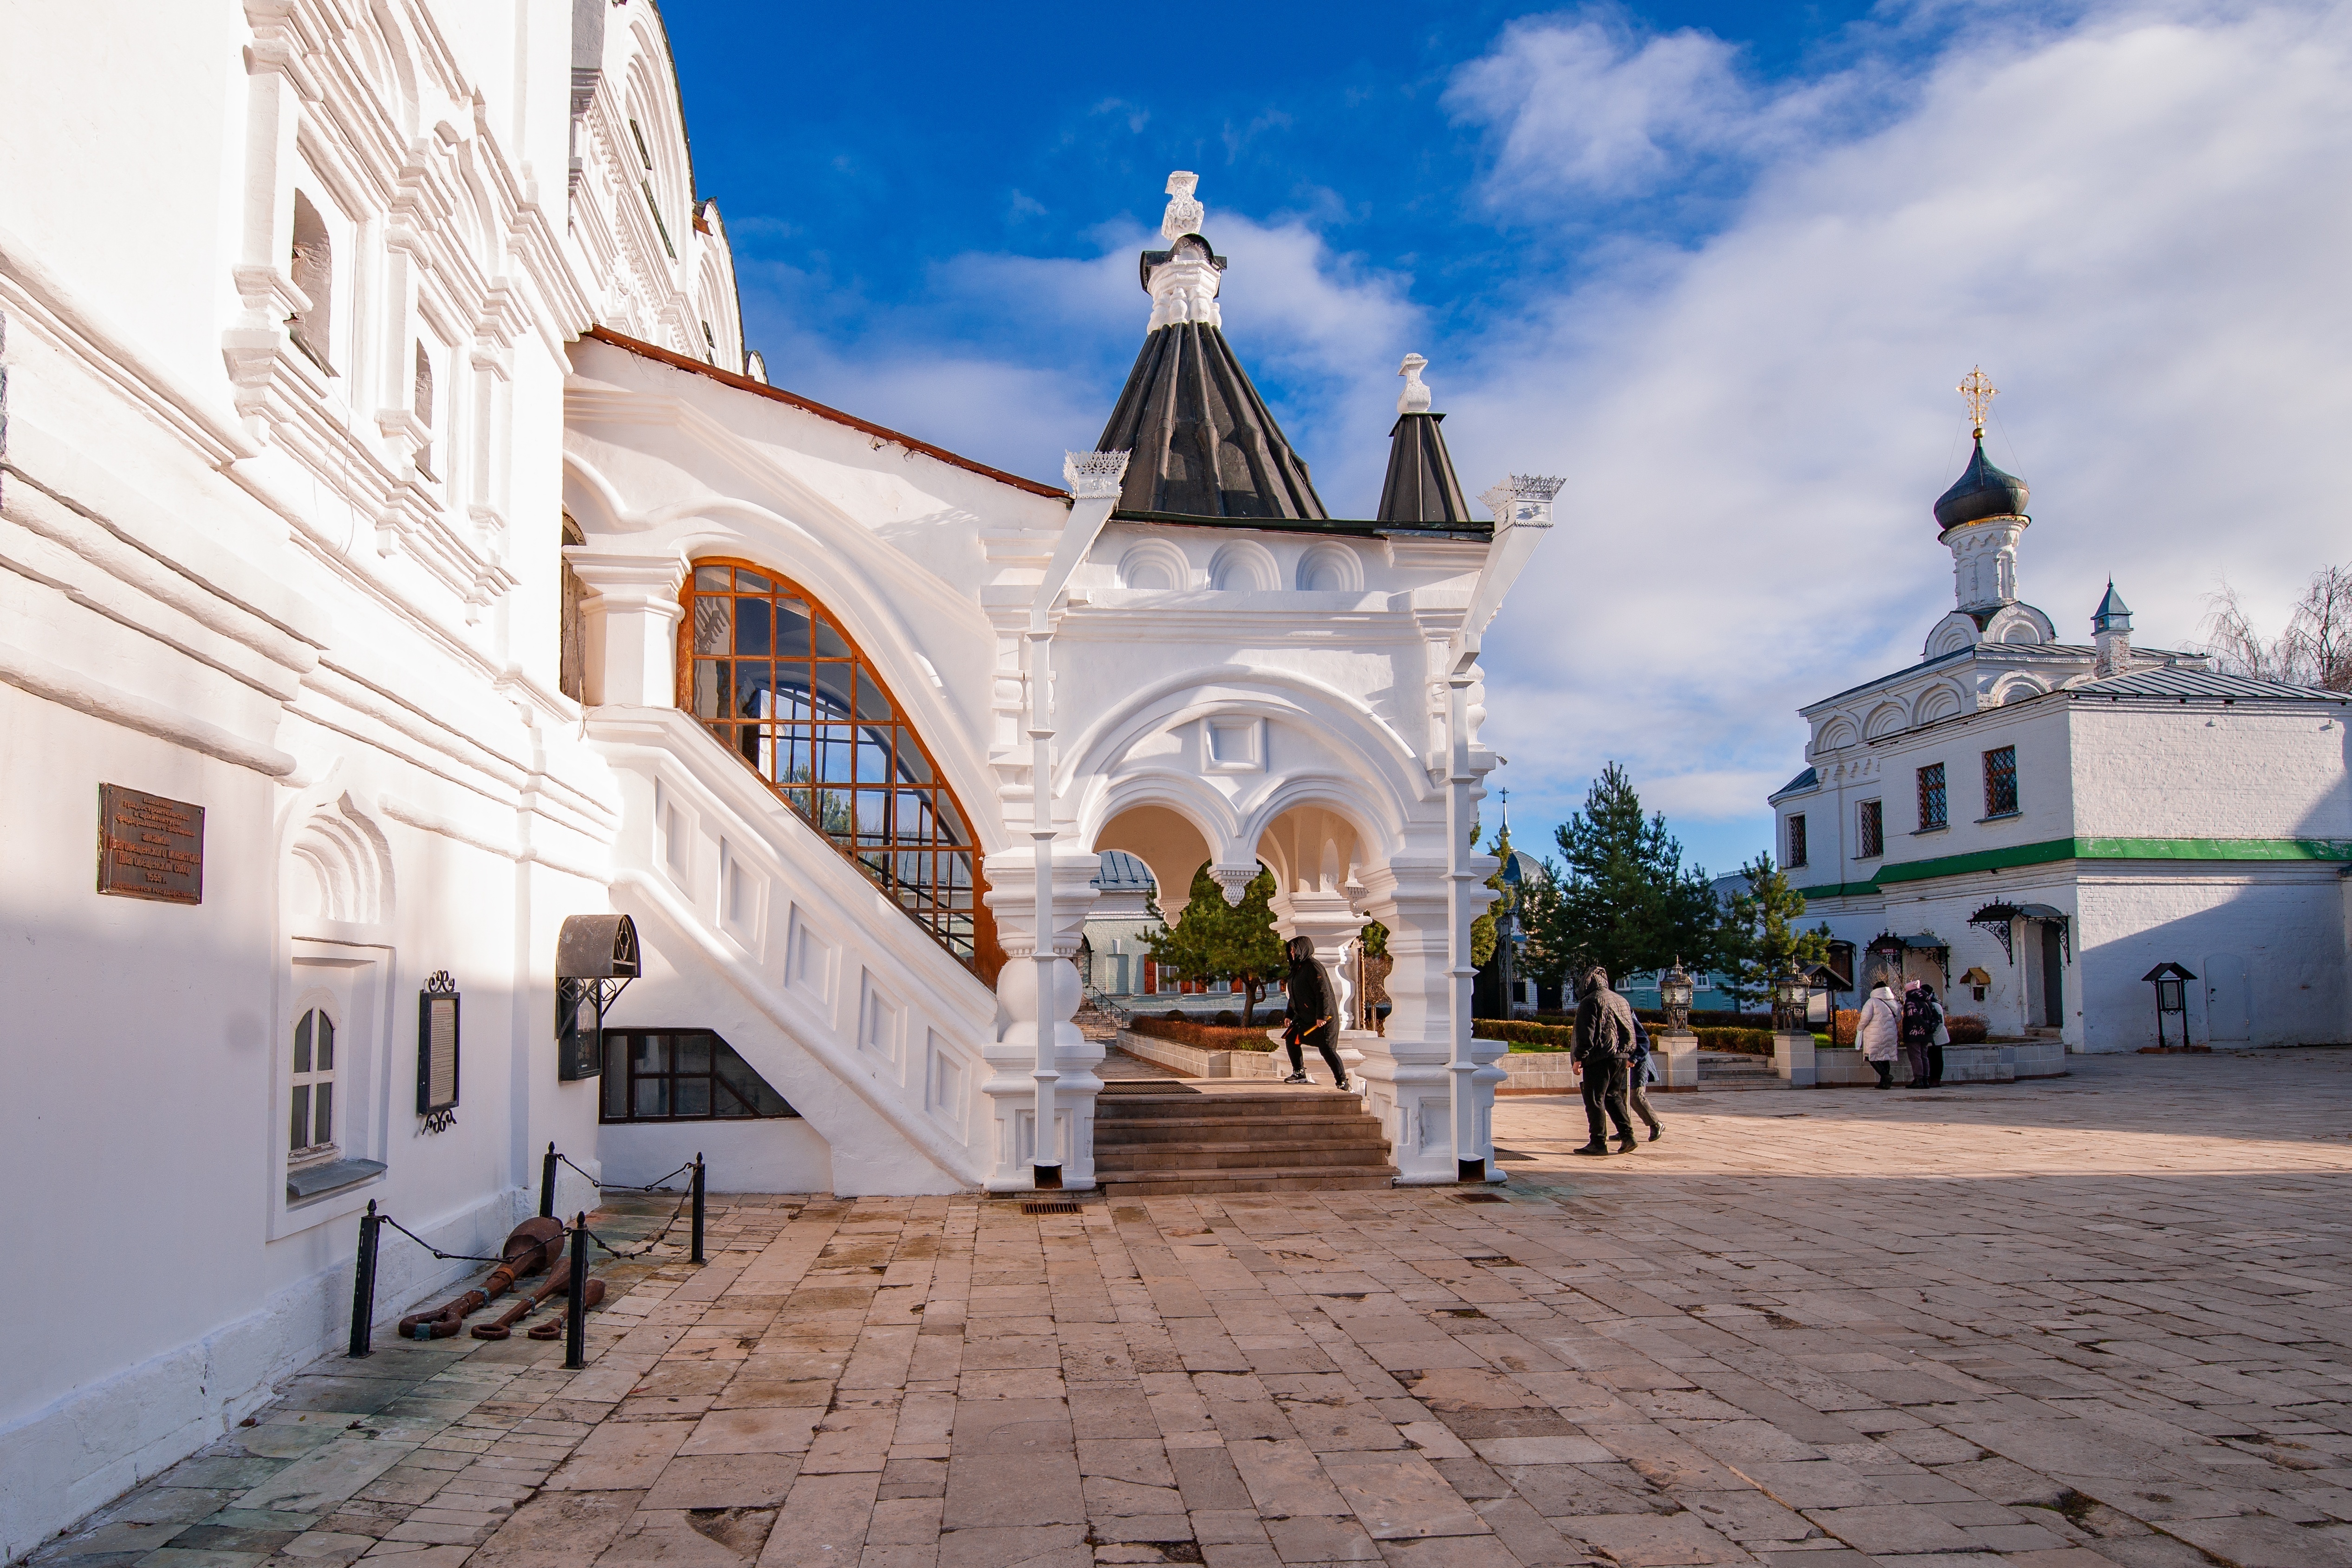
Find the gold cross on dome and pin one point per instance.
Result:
(1979, 393)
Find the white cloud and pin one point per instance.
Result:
(2136, 225)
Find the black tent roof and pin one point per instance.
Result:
(1421, 488)
(1202, 442)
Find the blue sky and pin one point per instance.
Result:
(1721, 265)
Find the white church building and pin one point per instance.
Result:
(406, 562)
(2060, 818)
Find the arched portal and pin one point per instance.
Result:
(772, 673)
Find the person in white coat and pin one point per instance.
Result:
(1879, 1031)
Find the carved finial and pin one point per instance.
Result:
(1414, 398)
(1093, 475)
(1184, 216)
(1979, 393)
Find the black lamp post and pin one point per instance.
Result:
(2171, 997)
(1674, 992)
(1789, 992)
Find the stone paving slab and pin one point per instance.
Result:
(2090, 1320)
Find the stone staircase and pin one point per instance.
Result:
(1724, 1069)
(1159, 1137)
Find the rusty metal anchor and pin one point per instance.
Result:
(553, 1328)
(531, 1246)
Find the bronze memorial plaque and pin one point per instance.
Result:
(150, 847)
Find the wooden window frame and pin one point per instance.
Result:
(622, 1084)
(883, 859)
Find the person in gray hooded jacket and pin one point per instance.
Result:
(1603, 1046)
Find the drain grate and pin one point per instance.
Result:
(1066, 1207)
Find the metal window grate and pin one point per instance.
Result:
(1797, 840)
(2000, 782)
(1933, 808)
(1872, 821)
(777, 679)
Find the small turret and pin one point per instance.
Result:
(1421, 489)
(2111, 634)
(1981, 518)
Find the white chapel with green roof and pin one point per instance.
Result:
(2060, 818)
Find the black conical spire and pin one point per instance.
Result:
(1421, 489)
(1202, 441)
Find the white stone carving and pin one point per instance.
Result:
(1184, 287)
(1234, 879)
(1184, 216)
(1523, 500)
(1092, 475)
(1414, 398)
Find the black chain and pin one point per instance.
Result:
(653, 1186)
(451, 1256)
(675, 1214)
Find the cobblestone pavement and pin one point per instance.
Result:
(2097, 1320)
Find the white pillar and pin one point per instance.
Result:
(1409, 1083)
(1030, 1013)
(629, 627)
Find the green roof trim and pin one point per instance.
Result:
(2050, 850)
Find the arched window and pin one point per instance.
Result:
(572, 655)
(779, 683)
(312, 268)
(310, 1132)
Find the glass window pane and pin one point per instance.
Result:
(754, 689)
(326, 1044)
(952, 830)
(832, 814)
(872, 708)
(830, 643)
(693, 1097)
(714, 621)
(649, 1053)
(710, 692)
(710, 577)
(752, 582)
(298, 1135)
(836, 753)
(615, 1079)
(913, 766)
(834, 683)
(751, 626)
(326, 1117)
(873, 755)
(302, 1043)
(652, 1096)
(792, 628)
(693, 1053)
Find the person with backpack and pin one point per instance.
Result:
(1637, 1078)
(1879, 1030)
(1603, 1042)
(1921, 1018)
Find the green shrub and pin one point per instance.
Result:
(1745, 1042)
(1202, 1036)
(1523, 1034)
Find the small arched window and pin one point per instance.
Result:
(312, 270)
(572, 657)
(778, 680)
(423, 400)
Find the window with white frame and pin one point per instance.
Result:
(310, 1122)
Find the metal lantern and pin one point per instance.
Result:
(1674, 992)
(2171, 997)
(1791, 992)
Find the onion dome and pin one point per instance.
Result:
(1981, 492)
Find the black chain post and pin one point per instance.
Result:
(364, 1287)
(697, 1207)
(575, 1324)
(547, 1184)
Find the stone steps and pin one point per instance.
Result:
(1186, 1139)
(1727, 1071)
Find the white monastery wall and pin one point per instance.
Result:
(2266, 942)
(2203, 774)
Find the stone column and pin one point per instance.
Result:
(1677, 1059)
(629, 627)
(1406, 1074)
(1792, 1058)
(1011, 1086)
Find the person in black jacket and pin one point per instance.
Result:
(1311, 1017)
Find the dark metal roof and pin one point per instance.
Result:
(1981, 492)
(1204, 446)
(1121, 872)
(1808, 779)
(2113, 613)
(2171, 683)
(1421, 488)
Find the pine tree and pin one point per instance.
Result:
(1484, 929)
(1214, 941)
(1760, 938)
(1621, 897)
